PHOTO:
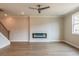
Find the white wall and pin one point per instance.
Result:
(18, 27)
(3, 41)
(68, 36)
(53, 26)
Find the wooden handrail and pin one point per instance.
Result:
(4, 30)
(3, 26)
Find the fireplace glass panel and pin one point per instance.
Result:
(39, 35)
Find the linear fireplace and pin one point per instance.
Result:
(39, 35)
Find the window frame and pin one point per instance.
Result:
(73, 24)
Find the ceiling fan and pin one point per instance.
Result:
(39, 8)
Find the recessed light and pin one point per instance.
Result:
(5, 15)
(22, 13)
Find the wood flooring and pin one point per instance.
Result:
(39, 49)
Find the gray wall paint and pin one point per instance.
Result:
(68, 36)
(53, 26)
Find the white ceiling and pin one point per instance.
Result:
(56, 9)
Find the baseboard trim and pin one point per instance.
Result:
(17, 41)
(37, 41)
(69, 43)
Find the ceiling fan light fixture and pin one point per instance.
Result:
(22, 13)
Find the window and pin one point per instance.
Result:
(75, 24)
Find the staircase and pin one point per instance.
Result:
(4, 36)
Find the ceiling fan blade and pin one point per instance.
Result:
(32, 8)
(1, 10)
(44, 8)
